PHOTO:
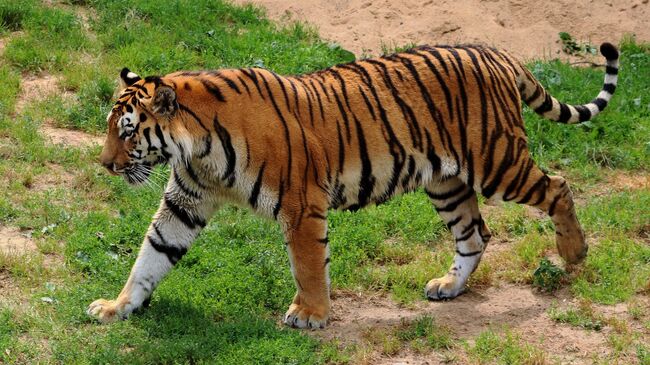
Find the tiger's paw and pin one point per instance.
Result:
(106, 311)
(446, 287)
(301, 316)
(572, 246)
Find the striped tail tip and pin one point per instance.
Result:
(609, 51)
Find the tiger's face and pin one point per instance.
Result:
(137, 128)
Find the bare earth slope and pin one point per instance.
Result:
(527, 28)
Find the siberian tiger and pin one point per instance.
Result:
(447, 119)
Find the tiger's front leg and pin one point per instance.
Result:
(308, 250)
(175, 225)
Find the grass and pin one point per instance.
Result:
(583, 317)
(507, 348)
(222, 302)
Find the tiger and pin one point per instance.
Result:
(445, 119)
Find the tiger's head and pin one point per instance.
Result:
(138, 134)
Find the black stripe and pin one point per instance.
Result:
(367, 101)
(506, 162)
(611, 70)
(193, 176)
(534, 96)
(463, 254)
(208, 146)
(324, 241)
(228, 150)
(287, 135)
(600, 103)
(196, 117)
(471, 225)
(295, 97)
(327, 261)
(453, 205)
(346, 119)
(454, 221)
(466, 235)
(183, 215)
(585, 113)
(284, 89)
(449, 194)
(230, 83)
(565, 113)
(255, 192)
(251, 74)
(278, 204)
(248, 91)
(341, 147)
(367, 182)
(213, 89)
(147, 136)
(160, 135)
(551, 208)
(538, 184)
(183, 187)
(409, 172)
(546, 105)
(318, 98)
(610, 88)
(316, 215)
(173, 253)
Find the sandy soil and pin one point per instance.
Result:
(519, 308)
(35, 88)
(15, 242)
(526, 28)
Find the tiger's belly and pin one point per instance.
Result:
(384, 178)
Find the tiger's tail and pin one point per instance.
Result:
(535, 96)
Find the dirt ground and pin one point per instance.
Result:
(526, 28)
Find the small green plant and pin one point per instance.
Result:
(572, 47)
(547, 276)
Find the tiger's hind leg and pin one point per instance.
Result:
(457, 205)
(552, 195)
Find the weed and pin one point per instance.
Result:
(547, 276)
(572, 47)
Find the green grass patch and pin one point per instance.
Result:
(506, 348)
(615, 269)
(582, 316)
(425, 334)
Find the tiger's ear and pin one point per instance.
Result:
(127, 78)
(164, 101)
